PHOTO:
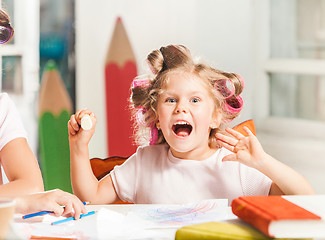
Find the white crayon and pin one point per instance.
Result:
(86, 122)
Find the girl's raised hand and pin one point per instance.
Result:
(246, 150)
(74, 126)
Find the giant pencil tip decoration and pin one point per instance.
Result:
(120, 69)
(55, 108)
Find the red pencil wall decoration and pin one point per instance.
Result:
(120, 69)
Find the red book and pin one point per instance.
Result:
(283, 216)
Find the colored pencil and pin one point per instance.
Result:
(57, 238)
(55, 109)
(41, 213)
(120, 69)
(72, 218)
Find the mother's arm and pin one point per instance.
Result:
(21, 168)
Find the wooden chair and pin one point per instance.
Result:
(102, 167)
(249, 123)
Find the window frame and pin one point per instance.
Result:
(26, 46)
(266, 65)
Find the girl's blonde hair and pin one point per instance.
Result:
(225, 88)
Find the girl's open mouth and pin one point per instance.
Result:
(182, 129)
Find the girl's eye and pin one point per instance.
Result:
(195, 100)
(170, 100)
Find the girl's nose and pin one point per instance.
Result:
(181, 108)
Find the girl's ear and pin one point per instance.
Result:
(158, 125)
(216, 119)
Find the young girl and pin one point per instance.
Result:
(181, 112)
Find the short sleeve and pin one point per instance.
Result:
(124, 177)
(254, 182)
(11, 126)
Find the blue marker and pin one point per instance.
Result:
(72, 218)
(41, 213)
(36, 214)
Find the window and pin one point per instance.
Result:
(12, 75)
(293, 66)
(290, 79)
(19, 62)
(298, 32)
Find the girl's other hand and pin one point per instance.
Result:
(247, 150)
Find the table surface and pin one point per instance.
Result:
(167, 233)
(89, 227)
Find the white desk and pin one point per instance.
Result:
(109, 222)
(99, 227)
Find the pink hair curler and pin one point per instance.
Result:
(5, 34)
(240, 78)
(225, 87)
(154, 135)
(151, 68)
(141, 81)
(234, 105)
(140, 116)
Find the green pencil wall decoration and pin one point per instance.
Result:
(55, 108)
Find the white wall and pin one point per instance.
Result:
(219, 31)
(27, 45)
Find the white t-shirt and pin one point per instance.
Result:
(154, 176)
(11, 126)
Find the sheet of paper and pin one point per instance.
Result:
(166, 216)
(128, 222)
(158, 221)
(114, 225)
(41, 226)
